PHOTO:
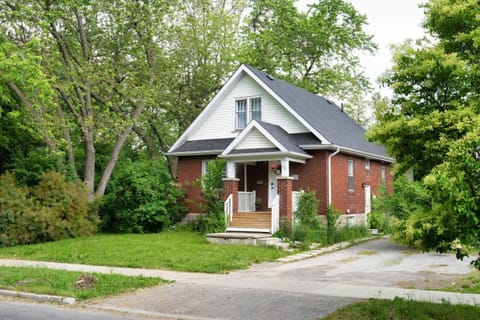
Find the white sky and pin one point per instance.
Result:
(390, 22)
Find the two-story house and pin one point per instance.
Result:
(277, 140)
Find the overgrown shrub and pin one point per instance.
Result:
(332, 222)
(212, 190)
(307, 210)
(308, 228)
(142, 198)
(52, 210)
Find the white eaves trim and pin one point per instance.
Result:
(351, 151)
(253, 124)
(209, 108)
(267, 156)
(194, 153)
(285, 105)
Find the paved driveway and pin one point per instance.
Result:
(373, 263)
(306, 289)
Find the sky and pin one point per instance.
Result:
(390, 22)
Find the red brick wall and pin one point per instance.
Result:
(313, 176)
(342, 198)
(284, 187)
(189, 170)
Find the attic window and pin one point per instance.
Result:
(247, 110)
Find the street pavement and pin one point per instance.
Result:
(305, 289)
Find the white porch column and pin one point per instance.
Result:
(231, 168)
(285, 168)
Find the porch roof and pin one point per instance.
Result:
(278, 141)
(206, 146)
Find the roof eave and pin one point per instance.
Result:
(352, 151)
(263, 155)
(193, 153)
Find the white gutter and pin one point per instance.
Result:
(330, 175)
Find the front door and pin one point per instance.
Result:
(272, 184)
(368, 201)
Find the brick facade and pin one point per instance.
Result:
(313, 175)
(230, 187)
(188, 174)
(353, 202)
(284, 188)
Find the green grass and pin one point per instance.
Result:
(367, 252)
(62, 283)
(179, 250)
(470, 284)
(400, 309)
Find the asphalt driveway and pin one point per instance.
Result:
(306, 289)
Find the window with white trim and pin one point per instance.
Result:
(247, 110)
(367, 164)
(351, 177)
(383, 176)
(240, 114)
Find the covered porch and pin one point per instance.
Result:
(258, 186)
(258, 195)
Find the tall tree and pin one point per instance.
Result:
(433, 124)
(317, 49)
(106, 63)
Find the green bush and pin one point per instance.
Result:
(307, 210)
(212, 191)
(142, 198)
(332, 222)
(52, 210)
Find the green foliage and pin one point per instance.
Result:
(142, 198)
(307, 210)
(332, 216)
(51, 210)
(307, 227)
(432, 126)
(316, 49)
(212, 191)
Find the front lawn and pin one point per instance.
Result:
(62, 283)
(179, 250)
(400, 309)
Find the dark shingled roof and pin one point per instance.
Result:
(326, 117)
(204, 145)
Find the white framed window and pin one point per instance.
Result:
(256, 109)
(367, 164)
(247, 110)
(241, 113)
(383, 176)
(351, 176)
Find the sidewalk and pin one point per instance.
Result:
(243, 280)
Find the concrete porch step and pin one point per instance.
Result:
(246, 238)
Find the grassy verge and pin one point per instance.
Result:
(399, 309)
(470, 284)
(180, 250)
(62, 283)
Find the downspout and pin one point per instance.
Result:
(330, 175)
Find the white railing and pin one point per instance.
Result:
(228, 210)
(276, 214)
(246, 201)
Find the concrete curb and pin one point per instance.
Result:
(38, 297)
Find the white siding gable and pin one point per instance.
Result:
(221, 122)
(255, 140)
